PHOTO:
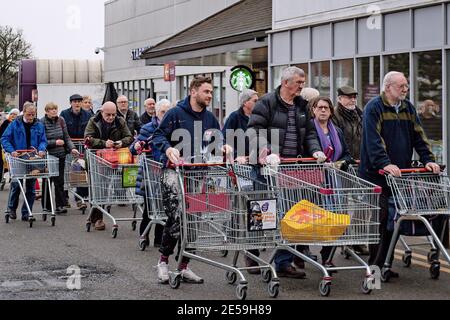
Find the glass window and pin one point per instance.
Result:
(368, 79)
(320, 77)
(276, 76)
(397, 62)
(304, 67)
(343, 74)
(125, 89)
(428, 96)
(136, 96)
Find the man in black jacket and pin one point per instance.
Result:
(285, 116)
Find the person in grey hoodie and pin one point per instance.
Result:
(59, 144)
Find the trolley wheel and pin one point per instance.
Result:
(435, 271)
(407, 260)
(7, 218)
(385, 275)
(241, 292)
(134, 225)
(224, 253)
(325, 288)
(83, 211)
(432, 256)
(174, 280)
(143, 244)
(44, 217)
(114, 232)
(88, 227)
(365, 287)
(266, 275)
(231, 277)
(31, 223)
(274, 289)
(108, 208)
(53, 219)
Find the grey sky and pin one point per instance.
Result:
(58, 29)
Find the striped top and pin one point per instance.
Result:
(290, 141)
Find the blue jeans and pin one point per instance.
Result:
(14, 194)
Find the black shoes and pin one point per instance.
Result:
(12, 215)
(61, 210)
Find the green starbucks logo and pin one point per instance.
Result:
(241, 78)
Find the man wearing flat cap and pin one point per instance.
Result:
(76, 120)
(348, 117)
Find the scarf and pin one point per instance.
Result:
(333, 149)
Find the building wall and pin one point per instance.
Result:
(343, 44)
(132, 24)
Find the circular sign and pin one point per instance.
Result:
(241, 78)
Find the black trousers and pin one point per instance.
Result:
(58, 182)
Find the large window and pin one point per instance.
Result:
(343, 74)
(428, 96)
(320, 77)
(304, 67)
(368, 79)
(276, 76)
(397, 62)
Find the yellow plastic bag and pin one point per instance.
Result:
(306, 222)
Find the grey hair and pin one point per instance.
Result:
(290, 72)
(28, 105)
(162, 103)
(122, 96)
(388, 78)
(148, 100)
(309, 93)
(246, 95)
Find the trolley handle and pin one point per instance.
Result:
(192, 165)
(410, 170)
(298, 160)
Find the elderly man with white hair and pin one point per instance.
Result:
(141, 141)
(150, 112)
(391, 132)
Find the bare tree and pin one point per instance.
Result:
(13, 48)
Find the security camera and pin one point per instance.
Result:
(97, 50)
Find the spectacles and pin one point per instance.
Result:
(323, 108)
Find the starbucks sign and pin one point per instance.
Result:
(241, 78)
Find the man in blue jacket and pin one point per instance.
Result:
(25, 133)
(391, 131)
(76, 120)
(188, 115)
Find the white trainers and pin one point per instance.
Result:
(187, 275)
(163, 272)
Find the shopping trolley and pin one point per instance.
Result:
(152, 172)
(321, 190)
(30, 166)
(112, 183)
(420, 196)
(5, 169)
(75, 173)
(216, 217)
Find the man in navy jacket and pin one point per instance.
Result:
(391, 131)
(191, 122)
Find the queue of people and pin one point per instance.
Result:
(309, 125)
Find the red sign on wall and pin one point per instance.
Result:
(169, 72)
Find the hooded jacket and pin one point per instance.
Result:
(119, 132)
(183, 117)
(15, 138)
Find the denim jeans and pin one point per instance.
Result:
(14, 194)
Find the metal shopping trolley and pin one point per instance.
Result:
(30, 166)
(112, 183)
(330, 208)
(216, 217)
(5, 169)
(75, 173)
(152, 172)
(422, 200)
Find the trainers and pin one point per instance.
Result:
(163, 272)
(60, 210)
(187, 275)
(249, 263)
(290, 272)
(100, 225)
(12, 215)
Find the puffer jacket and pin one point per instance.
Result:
(56, 129)
(119, 132)
(271, 113)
